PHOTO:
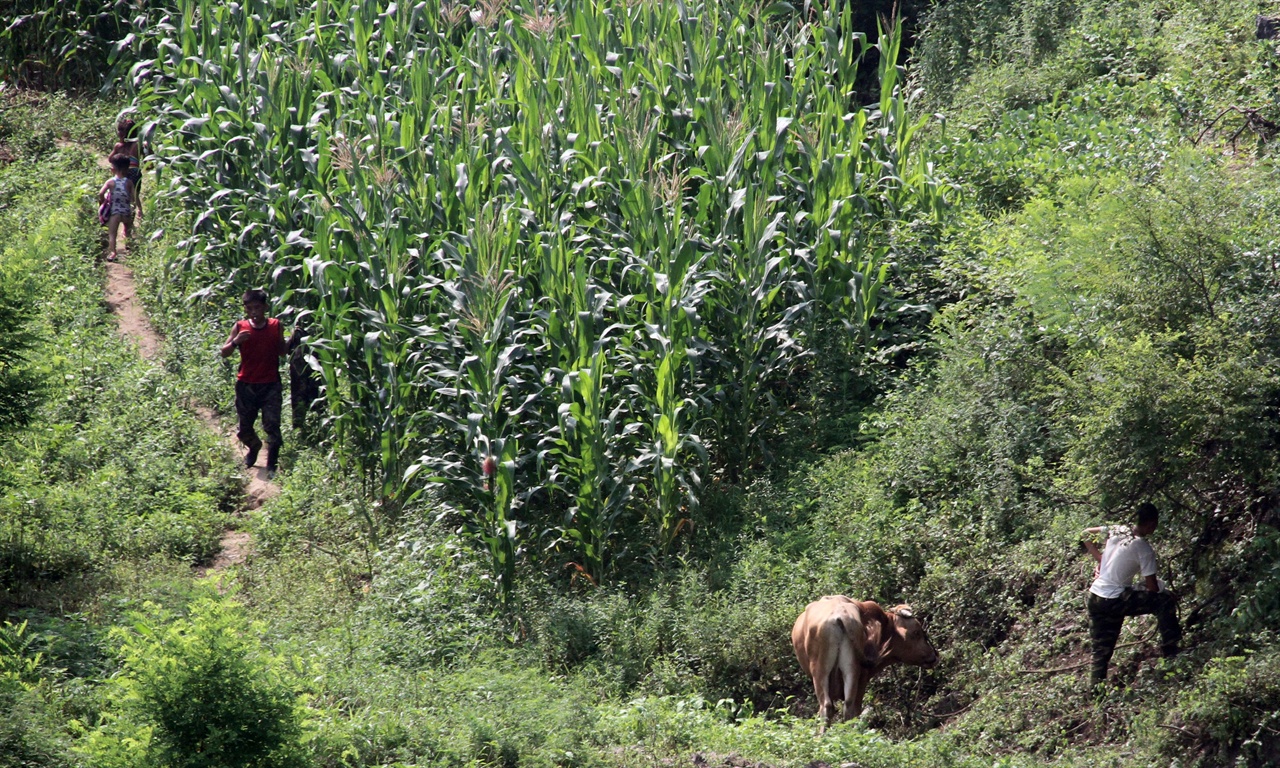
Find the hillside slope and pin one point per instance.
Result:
(1075, 315)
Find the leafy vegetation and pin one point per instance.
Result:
(196, 691)
(111, 464)
(624, 250)
(73, 45)
(598, 277)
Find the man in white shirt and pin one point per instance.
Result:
(1112, 596)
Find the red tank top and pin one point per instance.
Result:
(260, 353)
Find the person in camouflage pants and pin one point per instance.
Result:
(1112, 597)
(260, 340)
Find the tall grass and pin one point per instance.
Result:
(590, 240)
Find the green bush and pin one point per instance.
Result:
(427, 595)
(1259, 611)
(30, 734)
(1229, 717)
(196, 691)
(1017, 152)
(959, 36)
(498, 711)
(320, 506)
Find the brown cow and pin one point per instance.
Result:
(831, 645)
(843, 643)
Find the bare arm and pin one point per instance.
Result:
(1153, 584)
(104, 191)
(233, 340)
(1088, 542)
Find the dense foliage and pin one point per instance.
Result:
(197, 691)
(594, 243)
(1102, 275)
(73, 44)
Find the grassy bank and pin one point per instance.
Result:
(108, 485)
(1100, 333)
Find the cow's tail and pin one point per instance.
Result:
(866, 653)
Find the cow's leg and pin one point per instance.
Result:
(849, 670)
(822, 674)
(859, 689)
(821, 690)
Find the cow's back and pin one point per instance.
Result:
(824, 624)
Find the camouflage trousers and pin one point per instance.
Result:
(252, 398)
(1106, 617)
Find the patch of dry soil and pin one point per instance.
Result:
(122, 298)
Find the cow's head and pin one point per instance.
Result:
(910, 644)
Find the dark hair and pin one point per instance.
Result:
(255, 294)
(125, 127)
(120, 162)
(1147, 513)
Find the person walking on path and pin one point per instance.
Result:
(1112, 597)
(260, 340)
(130, 147)
(118, 194)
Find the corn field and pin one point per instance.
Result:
(557, 259)
(74, 44)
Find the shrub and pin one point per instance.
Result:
(29, 734)
(956, 35)
(19, 382)
(198, 691)
(426, 592)
(1230, 716)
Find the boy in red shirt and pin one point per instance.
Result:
(260, 340)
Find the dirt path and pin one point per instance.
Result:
(122, 298)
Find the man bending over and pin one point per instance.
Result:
(1112, 596)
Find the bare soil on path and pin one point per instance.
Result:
(121, 294)
(122, 297)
